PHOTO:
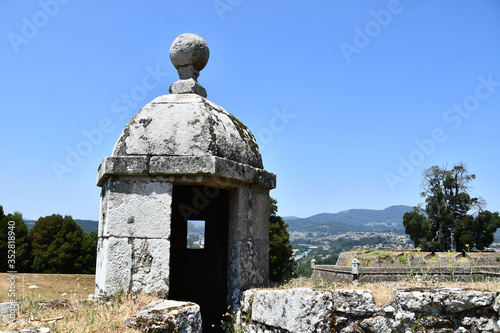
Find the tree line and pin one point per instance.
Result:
(58, 244)
(55, 244)
(451, 219)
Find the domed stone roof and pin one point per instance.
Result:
(185, 123)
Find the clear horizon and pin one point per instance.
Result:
(200, 222)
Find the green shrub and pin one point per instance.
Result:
(384, 256)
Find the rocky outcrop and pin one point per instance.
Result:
(411, 310)
(168, 317)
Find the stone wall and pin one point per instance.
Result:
(333, 273)
(411, 310)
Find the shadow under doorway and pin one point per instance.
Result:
(199, 258)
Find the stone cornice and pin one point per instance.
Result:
(182, 166)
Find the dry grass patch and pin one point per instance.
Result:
(75, 314)
(49, 286)
(80, 315)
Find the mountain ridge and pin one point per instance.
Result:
(87, 225)
(352, 220)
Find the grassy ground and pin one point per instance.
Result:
(49, 286)
(78, 315)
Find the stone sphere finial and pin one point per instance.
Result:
(189, 54)
(189, 49)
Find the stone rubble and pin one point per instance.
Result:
(167, 316)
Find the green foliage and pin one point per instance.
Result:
(403, 259)
(22, 243)
(418, 228)
(303, 268)
(54, 245)
(479, 230)
(86, 262)
(384, 255)
(87, 225)
(57, 244)
(330, 260)
(229, 323)
(280, 250)
(446, 224)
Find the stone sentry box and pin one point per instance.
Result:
(180, 158)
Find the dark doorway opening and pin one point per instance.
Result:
(199, 273)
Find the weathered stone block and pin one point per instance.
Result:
(449, 300)
(412, 310)
(294, 310)
(137, 207)
(355, 302)
(114, 260)
(183, 165)
(445, 309)
(150, 269)
(34, 329)
(168, 317)
(376, 324)
(133, 265)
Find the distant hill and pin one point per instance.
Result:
(87, 225)
(351, 220)
(331, 223)
(328, 227)
(196, 228)
(30, 223)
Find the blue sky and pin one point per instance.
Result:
(350, 101)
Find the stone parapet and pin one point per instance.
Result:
(411, 310)
(332, 273)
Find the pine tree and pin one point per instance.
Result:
(57, 244)
(86, 262)
(22, 249)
